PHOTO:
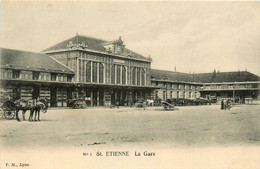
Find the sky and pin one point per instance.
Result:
(193, 36)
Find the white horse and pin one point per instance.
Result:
(150, 102)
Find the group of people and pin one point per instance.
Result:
(225, 105)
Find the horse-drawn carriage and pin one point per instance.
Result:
(76, 104)
(10, 108)
(168, 105)
(6, 105)
(141, 104)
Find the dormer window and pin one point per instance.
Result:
(116, 47)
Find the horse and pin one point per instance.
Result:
(23, 105)
(150, 102)
(32, 106)
(42, 104)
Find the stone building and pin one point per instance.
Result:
(172, 85)
(29, 75)
(106, 72)
(240, 85)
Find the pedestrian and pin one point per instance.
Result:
(222, 104)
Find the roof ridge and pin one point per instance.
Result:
(225, 72)
(91, 37)
(21, 50)
(171, 71)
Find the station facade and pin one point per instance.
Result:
(104, 73)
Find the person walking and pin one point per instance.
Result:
(222, 104)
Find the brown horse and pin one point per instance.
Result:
(42, 104)
(23, 105)
(32, 106)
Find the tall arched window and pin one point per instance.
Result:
(94, 73)
(113, 74)
(142, 77)
(118, 74)
(123, 75)
(88, 72)
(138, 76)
(101, 73)
(133, 75)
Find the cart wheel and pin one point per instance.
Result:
(8, 114)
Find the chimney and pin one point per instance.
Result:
(175, 68)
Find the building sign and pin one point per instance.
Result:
(118, 61)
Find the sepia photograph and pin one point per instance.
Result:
(129, 85)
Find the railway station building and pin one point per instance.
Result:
(104, 73)
(83, 68)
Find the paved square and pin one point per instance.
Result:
(200, 126)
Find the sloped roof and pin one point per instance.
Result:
(18, 59)
(92, 44)
(170, 75)
(242, 76)
(238, 76)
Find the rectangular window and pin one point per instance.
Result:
(69, 78)
(42, 76)
(164, 95)
(53, 77)
(59, 78)
(47, 77)
(16, 74)
(64, 78)
(23, 75)
(36, 75)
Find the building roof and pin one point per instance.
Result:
(18, 59)
(239, 76)
(173, 76)
(94, 45)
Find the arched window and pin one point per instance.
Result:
(118, 74)
(138, 76)
(94, 72)
(113, 74)
(101, 73)
(133, 75)
(142, 77)
(88, 72)
(123, 75)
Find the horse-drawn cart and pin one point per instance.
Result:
(8, 109)
(168, 105)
